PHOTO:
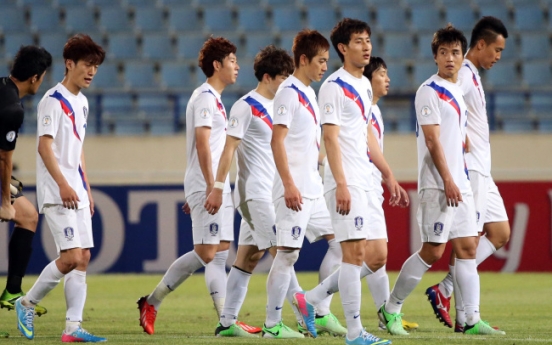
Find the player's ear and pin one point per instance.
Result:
(342, 48)
(481, 44)
(217, 65)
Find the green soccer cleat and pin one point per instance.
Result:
(302, 329)
(232, 331)
(7, 300)
(482, 327)
(280, 331)
(329, 324)
(393, 322)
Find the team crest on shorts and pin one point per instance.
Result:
(10, 137)
(359, 222)
(213, 229)
(438, 228)
(296, 232)
(69, 233)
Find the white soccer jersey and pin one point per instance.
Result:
(479, 157)
(345, 101)
(204, 110)
(378, 130)
(441, 102)
(295, 107)
(251, 121)
(62, 115)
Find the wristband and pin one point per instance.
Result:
(219, 185)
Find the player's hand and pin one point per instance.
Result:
(186, 208)
(7, 212)
(452, 193)
(394, 190)
(69, 197)
(467, 145)
(91, 202)
(293, 198)
(343, 200)
(405, 200)
(214, 201)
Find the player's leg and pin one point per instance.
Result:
(330, 263)
(496, 228)
(64, 224)
(206, 235)
(215, 271)
(20, 250)
(290, 232)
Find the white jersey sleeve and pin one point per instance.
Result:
(49, 114)
(204, 110)
(285, 106)
(240, 118)
(330, 102)
(428, 111)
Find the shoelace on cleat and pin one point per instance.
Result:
(369, 336)
(150, 314)
(29, 316)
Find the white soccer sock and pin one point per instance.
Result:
(365, 270)
(46, 282)
(446, 286)
(215, 278)
(328, 287)
(378, 283)
(278, 284)
(75, 297)
(330, 263)
(292, 289)
(350, 291)
(411, 273)
(180, 270)
(468, 283)
(485, 248)
(458, 303)
(236, 289)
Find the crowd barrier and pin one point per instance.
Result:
(142, 229)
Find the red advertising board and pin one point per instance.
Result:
(529, 209)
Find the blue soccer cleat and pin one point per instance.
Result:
(25, 319)
(81, 336)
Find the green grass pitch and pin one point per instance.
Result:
(521, 304)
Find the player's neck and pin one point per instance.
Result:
(263, 90)
(471, 55)
(302, 76)
(353, 70)
(450, 78)
(216, 84)
(70, 86)
(375, 100)
(22, 87)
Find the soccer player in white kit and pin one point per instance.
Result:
(63, 191)
(345, 101)
(249, 132)
(297, 188)
(487, 42)
(205, 137)
(376, 72)
(447, 209)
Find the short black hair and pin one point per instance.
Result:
(375, 64)
(342, 31)
(30, 61)
(448, 35)
(487, 29)
(273, 61)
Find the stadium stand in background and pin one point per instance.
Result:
(151, 67)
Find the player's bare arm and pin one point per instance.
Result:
(431, 134)
(88, 188)
(333, 151)
(292, 195)
(381, 164)
(68, 196)
(467, 144)
(214, 199)
(204, 156)
(7, 212)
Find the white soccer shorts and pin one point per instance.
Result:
(365, 219)
(313, 221)
(488, 201)
(257, 227)
(440, 223)
(70, 228)
(211, 229)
